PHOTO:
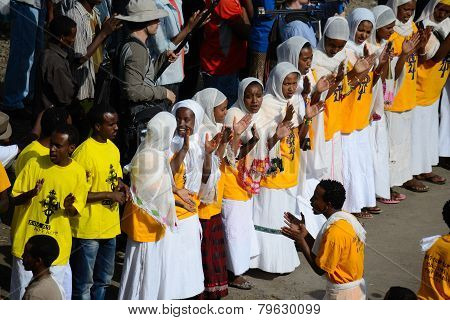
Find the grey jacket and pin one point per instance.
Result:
(137, 73)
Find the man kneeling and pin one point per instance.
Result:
(338, 250)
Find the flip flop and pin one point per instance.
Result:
(432, 179)
(246, 285)
(373, 210)
(362, 215)
(388, 201)
(416, 188)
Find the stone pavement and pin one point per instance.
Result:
(393, 257)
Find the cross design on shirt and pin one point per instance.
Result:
(363, 87)
(412, 65)
(112, 177)
(50, 205)
(338, 93)
(444, 67)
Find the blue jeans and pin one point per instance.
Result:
(227, 84)
(27, 42)
(92, 263)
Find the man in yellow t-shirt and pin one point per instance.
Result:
(338, 250)
(4, 186)
(48, 191)
(94, 231)
(435, 283)
(51, 119)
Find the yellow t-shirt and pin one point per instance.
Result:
(232, 189)
(356, 106)
(180, 179)
(44, 214)
(206, 211)
(431, 79)
(140, 226)
(290, 155)
(435, 283)
(334, 106)
(341, 253)
(33, 150)
(4, 180)
(405, 99)
(99, 220)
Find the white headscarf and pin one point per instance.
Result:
(194, 158)
(256, 163)
(427, 17)
(355, 18)
(151, 176)
(210, 98)
(383, 17)
(289, 50)
(335, 28)
(404, 29)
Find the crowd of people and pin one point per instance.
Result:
(255, 161)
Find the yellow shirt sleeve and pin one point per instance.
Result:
(329, 253)
(4, 181)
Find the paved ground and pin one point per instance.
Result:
(392, 252)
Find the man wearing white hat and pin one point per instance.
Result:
(137, 71)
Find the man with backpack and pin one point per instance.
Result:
(139, 95)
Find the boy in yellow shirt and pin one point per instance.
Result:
(48, 191)
(50, 120)
(435, 283)
(338, 250)
(94, 231)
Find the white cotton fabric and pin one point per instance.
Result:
(428, 242)
(404, 29)
(240, 235)
(20, 278)
(150, 173)
(277, 252)
(355, 18)
(358, 172)
(399, 126)
(383, 17)
(334, 158)
(335, 28)
(340, 215)
(444, 122)
(289, 50)
(425, 138)
(8, 154)
(210, 98)
(182, 269)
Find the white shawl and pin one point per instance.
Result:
(404, 29)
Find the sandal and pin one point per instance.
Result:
(432, 178)
(246, 285)
(397, 196)
(363, 215)
(415, 187)
(388, 201)
(372, 210)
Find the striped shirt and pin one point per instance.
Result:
(85, 74)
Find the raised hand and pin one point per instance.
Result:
(37, 188)
(186, 139)
(366, 51)
(364, 64)
(410, 45)
(226, 135)
(325, 82)
(296, 228)
(255, 134)
(119, 197)
(242, 125)
(110, 25)
(211, 145)
(69, 201)
(425, 35)
(283, 129)
(289, 112)
(385, 55)
(186, 196)
(306, 86)
(340, 74)
(313, 110)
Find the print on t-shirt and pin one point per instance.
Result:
(50, 205)
(444, 66)
(412, 65)
(112, 180)
(363, 87)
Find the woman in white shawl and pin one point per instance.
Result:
(432, 75)
(282, 122)
(195, 168)
(214, 103)
(298, 52)
(150, 215)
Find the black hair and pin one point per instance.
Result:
(136, 26)
(255, 83)
(45, 248)
(71, 131)
(61, 26)
(306, 46)
(95, 115)
(334, 193)
(400, 293)
(446, 213)
(51, 118)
